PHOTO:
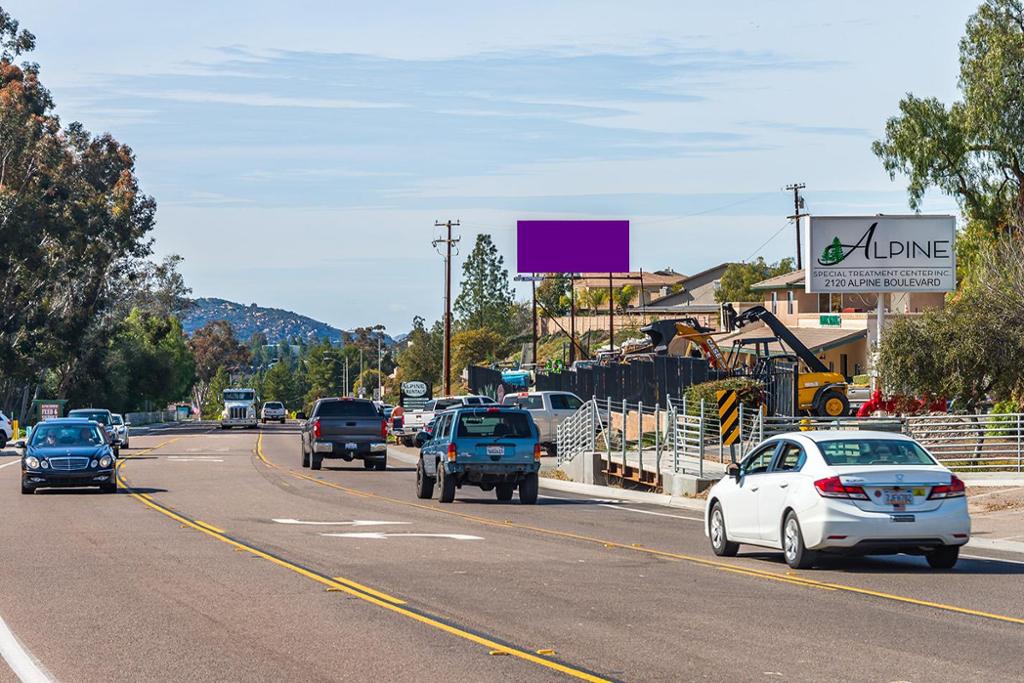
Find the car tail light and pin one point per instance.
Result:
(384, 429)
(954, 489)
(494, 410)
(834, 488)
(451, 452)
(316, 428)
(536, 451)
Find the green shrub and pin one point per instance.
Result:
(1003, 424)
(750, 391)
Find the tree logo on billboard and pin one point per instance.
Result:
(833, 253)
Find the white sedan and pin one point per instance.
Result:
(852, 492)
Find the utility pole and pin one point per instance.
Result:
(448, 242)
(798, 204)
(380, 387)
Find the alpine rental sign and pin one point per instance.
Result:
(879, 254)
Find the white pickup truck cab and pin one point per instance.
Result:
(548, 409)
(416, 420)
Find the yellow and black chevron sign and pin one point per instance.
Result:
(729, 416)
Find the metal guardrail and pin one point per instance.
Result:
(680, 437)
(139, 419)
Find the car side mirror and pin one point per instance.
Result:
(127, 424)
(300, 415)
(734, 471)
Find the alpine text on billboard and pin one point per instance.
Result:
(879, 253)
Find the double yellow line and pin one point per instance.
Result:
(349, 587)
(703, 561)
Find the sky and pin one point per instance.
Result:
(300, 153)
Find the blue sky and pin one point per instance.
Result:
(301, 152)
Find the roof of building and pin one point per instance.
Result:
(787, 281)
(817, 339)
(657, 278)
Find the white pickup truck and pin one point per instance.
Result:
(416, 420)
(548, 409)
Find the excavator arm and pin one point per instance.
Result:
(781, 332)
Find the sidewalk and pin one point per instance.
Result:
(997, 518)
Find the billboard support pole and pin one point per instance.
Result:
(572, 320)
(534, 288)
(611, 315)
(879, 323)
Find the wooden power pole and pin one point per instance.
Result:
(448, 242)
(798, 204)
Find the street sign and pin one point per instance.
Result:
(879, 254)
(729, 416)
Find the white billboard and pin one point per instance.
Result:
(879, 253)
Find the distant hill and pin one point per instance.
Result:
(275, 323)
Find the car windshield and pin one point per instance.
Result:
(274, 405)
(883, 452)
(509, 425)
(347, 409)
(239, 395)
(116, 419)
(101, 416)
(58, 436)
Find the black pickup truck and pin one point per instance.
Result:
(347, 428)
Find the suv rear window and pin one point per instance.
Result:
(880, 452)
(346, 409)
(508, 425)
(101, 416)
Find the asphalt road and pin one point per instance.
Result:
(223, 559)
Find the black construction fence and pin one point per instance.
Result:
(648, 381)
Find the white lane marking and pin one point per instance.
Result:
(380, 536)
(179, 458)
(19, 659)
(8, 464)
(651, 512)
(354, 522)
(584, 500)
(989, 559)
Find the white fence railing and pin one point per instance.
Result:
(679, 438)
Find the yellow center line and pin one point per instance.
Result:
(354, 589)
(724, 566)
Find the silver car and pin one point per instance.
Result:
(120, 428)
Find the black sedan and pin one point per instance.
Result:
(68, 452)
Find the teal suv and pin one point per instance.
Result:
(490, 447)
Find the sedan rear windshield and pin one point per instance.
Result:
(55, 436)
(880, 452)
(507, 425)
(101, 416)
(347, 409)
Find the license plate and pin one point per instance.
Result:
(351, 446)
(899, 497)
(495, 450)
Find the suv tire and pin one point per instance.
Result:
(305, 457)
(315, 461)
(528, 489)
(381, 464)
(447, 486)
(504, 491)
(424, 484)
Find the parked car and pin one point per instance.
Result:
(548, 409)
(121, 429)
(414, 420)
(273, 411)
(490, 447)
(847, 492)
(68, 452)
(104, 418)
(6, 430)
(347, 428)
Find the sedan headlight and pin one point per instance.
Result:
(105, 461)
(32, 462)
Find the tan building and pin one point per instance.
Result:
(647, 285)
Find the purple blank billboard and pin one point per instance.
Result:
(573, 247)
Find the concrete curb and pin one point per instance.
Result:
(598, 491)
(985, 481)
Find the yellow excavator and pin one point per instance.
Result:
(819, 390)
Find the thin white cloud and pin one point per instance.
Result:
(264, 100)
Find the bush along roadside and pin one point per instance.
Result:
(750, 392)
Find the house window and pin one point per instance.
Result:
(775, 302)
(789, 301)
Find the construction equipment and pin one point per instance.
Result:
(819, 391)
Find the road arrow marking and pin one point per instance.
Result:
(354, 522)
(380, 536)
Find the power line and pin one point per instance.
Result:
(765, 243)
